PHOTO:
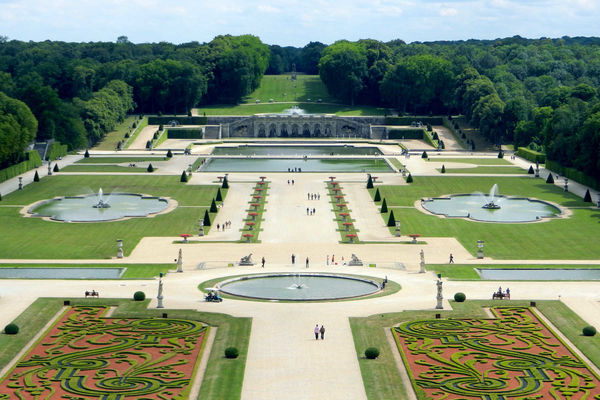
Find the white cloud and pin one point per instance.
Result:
(268, 9)
(448, 12)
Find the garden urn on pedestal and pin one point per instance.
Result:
(160, 291)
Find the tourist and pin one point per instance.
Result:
(318, 196)
(317, 330)
(451, 259)
(293, 259)
(508, 293)
(314, 211)
(307, 196)
(327, 259)
(263, 262)
(306, 210)
(306, 262)
(322, 330)
(333, 259)
(292, 182)
(218, 226)
(288, 180)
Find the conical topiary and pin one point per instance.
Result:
(424, 155)
(219, 196)
(409, 178)
(36, 177)
(87, 154)
(384, 207)
(370, 183)
(213, 206)
(184, 177)
(150, 168)
(377, 197)
(169, 154)
(530, 171)
(443, 169)
(391, 219)
(225, 184)
(500, 154)
(55, 169)
(588, 197)
(0, 196)
(206, 221)
(550, 179)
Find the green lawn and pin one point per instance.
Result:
(223, 377)
(561, 238)
(466, 272)
(110, 140)
(476, 161)
(381, 377)
(396, 163)
(102, 168)
(313, 108)
(486, 170)
(119, 160)
(304, 88)
(44, 239)
(133, 271)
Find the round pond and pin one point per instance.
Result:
(510, 209)
(298, 287)
(82, 208)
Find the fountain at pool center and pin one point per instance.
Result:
(297, 284)
(294, 110)
(490, 205)
(101, 203)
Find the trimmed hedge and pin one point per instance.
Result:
(409, 120)
(409, 133)
(32, 160)
(185, 133)
(165, 120)
(531, 155)
(573, 174)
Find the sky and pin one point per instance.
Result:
(295, 22)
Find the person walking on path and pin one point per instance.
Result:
(306, 262)
(327, 259)
(451, 259)
(322, 330)
(333, 259)
(263, 262)
(293, 258)
(317, 330)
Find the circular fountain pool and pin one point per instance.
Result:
(85, 208)
(298, 287)
(508, 209)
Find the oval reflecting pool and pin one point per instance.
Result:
(298, 287)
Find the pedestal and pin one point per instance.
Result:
(480, 253)
(49, 169)
(119, 248)
(398, 232)
(421, 267)
(160, 302)
(201, 231)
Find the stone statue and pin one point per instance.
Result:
(160, 291)
(180, 261)
(355, 261)
(422, 263)
(247, 260)
(439, 305)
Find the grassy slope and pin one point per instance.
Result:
(381, 377)
(223, 377)
(102, 168)
(109, 142)
(118, 160)
(304, 88)
(564, 238)
(44, 239)
(486, 170)
(476, 161)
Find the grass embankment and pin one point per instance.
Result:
(476, 161)
(223, 377)
(133, 271)
(381, 377)
(260, 189)
(560, 238)
(112, 138)
(119, 160)
(466, 272)
(486, 170)
(281, 88)
(102, 168)
(396, 163)
(53, 240)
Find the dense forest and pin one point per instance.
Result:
(540, 93)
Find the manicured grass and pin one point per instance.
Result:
(396, 163)
(102, 168)
(559, 238)
(110, 140)
(339, 218)
(313, 108)
(476, 161)
(258, 218)
(133, 271)
(119, 160)
(381, 377)
(223, 377)
(486, 170)
(305, 87)
(466, 272)
(141, 124)
(45, 239)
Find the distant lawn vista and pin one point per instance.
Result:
(313, 108)
(281, 88)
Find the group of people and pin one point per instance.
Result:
(318, 331)
(313, 196)
(292, 181)
(311, 212)
(226, 224)
(295, 169)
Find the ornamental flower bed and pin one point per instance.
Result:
(515, 356)
(343, 218)
(254, 214)
(84, 356)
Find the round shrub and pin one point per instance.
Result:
(589, 331)
(372, 353)
(13, 329)
(139, 296)
(459, 297)
(231, 352)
